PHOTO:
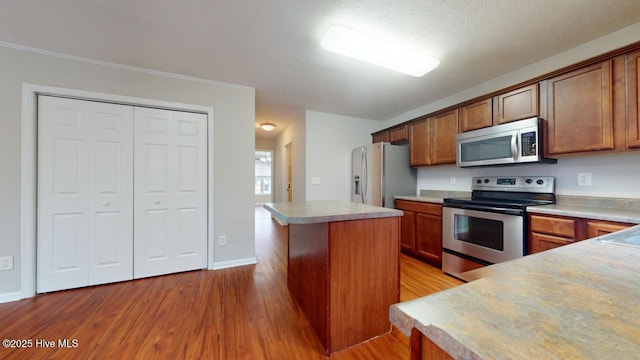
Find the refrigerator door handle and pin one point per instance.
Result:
(364, 174)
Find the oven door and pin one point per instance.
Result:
(489, 236)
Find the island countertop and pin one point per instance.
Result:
(321, 211)
(580, 301)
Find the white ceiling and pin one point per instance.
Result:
(274, 46)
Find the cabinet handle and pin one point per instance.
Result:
(157, 202)
(106, 203)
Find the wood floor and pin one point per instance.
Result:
(239, 313)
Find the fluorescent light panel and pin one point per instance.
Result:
(363, 47)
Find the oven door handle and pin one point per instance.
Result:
(493, 209)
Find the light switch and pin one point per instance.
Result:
(316, 180)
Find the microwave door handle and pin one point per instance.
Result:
(514, 145)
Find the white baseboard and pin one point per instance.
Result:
(234, 263)
(9, 297)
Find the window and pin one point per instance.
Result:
(263, 173)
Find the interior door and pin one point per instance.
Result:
(170, 192)
(85, 202)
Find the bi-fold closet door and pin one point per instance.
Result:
(121, 192)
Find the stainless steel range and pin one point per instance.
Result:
(491, 226)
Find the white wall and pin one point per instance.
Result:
(234, 113)
(294, 134)
(330, 139)
(613, 175)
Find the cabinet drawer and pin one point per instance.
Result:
(553, 226)
(421, 207)
(599, 228)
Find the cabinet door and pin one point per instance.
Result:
(408, 231)
(633, 99)
(542, 242)
(516, 105)
(599, 228)
(580, 115)
(444, 128)
(565, 227)
(476, 116)
(398, 134)
(419, 143)
(380, 137)
(429, 238)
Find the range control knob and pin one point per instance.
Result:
(478, 181)
(540, 182)
(528, 181)
(486, 181)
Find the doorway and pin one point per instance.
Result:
(263, 163)
(289, 170)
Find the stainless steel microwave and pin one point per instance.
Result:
(517, 142)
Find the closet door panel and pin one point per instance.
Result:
(191, 191)
(85, 207)
(153, 228)
(111, 256)
(170, 192)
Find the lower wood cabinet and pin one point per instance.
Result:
(421, 230)
(551, 231)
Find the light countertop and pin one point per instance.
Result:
(589, 212)
(429, 199)
(311, 212)
(580, 301)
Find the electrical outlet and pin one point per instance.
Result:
(584, 179)
(6, 263)
(453, 180)
(222, 240)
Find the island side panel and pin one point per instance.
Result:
(364, 273)
(424, 349)
(307, 273)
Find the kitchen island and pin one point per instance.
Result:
(580, 301)
(343, 267)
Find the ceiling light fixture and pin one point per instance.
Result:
(357, 45)
(267, 126)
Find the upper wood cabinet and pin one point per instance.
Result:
(432, 141)
(395, 135)
(444, 128)
(515, 105)
(580, 116)
(399, 134)
(633, 99)
(476, 116)
(380, 137)
(419, 154)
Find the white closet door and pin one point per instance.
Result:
(170, 227)
(85, 193)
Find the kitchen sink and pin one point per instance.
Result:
(628, 239)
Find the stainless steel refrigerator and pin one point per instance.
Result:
(379, 172)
